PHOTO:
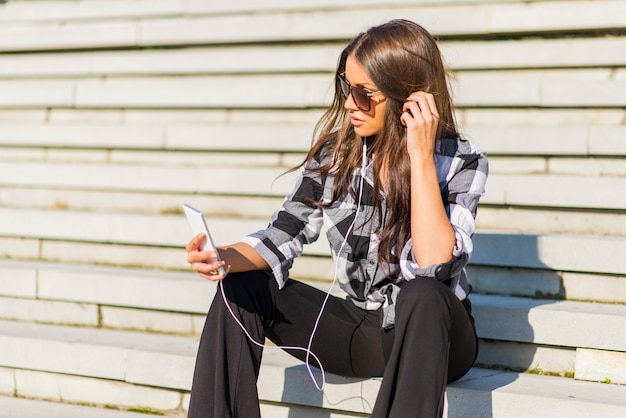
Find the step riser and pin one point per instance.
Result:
(460, 403)
(165, 142)
(525, 357)
(547, 284)
(521, 116)
(82, 295)
(500, 354)
(286, 410)
(563, 188)
(601, 366)
(575, 253)
(51, 312)
(125, 359)
(575, 324)
(22, 282)
(22, 407)
(594, 365)
(99, 316)
(219, 28)
(83, 390)
(460, 56)
(490, 217)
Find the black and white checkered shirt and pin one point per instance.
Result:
(462, 172)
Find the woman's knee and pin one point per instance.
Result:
(251, 291)
(251, 281)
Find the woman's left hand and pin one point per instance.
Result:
(420, 116)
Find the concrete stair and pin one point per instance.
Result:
(139, 370)
(134, 337)
(11, 407)
(114, 113)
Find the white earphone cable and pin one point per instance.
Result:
(308, 351)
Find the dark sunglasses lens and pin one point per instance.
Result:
(361, 99)
(345, 88)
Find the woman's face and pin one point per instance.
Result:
(370, 122)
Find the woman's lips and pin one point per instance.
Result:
(356, 121)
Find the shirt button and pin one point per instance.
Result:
(372, 262)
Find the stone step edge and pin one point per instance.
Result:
(31, 267)
(133, 232)
(285, 380)
(532, 318)
(24, 407)
(340, 23)
(506, 281)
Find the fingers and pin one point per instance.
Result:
(196, 243)
(432, 105)
(194, 250)
(201, 257)
(210, 271)
(205, 263)
(421, 118)
(421, 107)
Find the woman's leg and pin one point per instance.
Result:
(434, 343)
(227, 363)
(347, 341)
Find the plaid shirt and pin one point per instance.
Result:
(462, 172)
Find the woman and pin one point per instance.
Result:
(397, 190)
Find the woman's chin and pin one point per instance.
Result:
(363, 131)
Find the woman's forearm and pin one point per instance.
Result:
(242, 257)
(431, 232)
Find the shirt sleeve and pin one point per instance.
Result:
(461, 189)
(297, 222)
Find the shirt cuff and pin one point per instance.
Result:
(441, 271)
(270, 258)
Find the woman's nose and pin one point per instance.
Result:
(349, 103)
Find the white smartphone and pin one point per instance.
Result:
(198, 224)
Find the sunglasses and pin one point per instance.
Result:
(360, 95)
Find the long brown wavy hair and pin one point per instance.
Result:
(400, 57)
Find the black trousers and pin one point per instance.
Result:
(432, 343)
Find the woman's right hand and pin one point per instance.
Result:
(204, 262)
(420, 116)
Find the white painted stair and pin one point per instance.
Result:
(139, 370)
(113, 113)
